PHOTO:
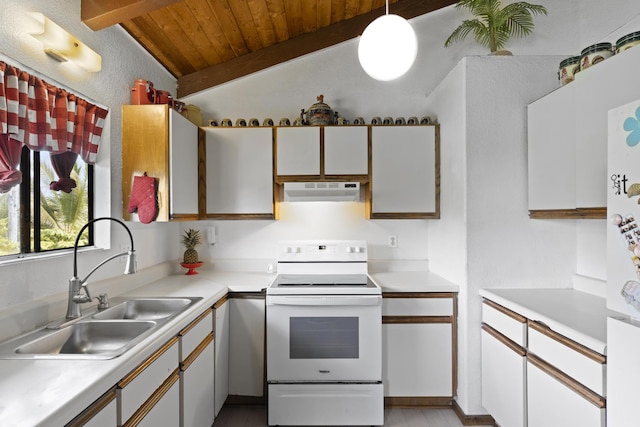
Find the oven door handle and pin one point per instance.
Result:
(324, 300)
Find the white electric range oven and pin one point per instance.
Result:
(324, 336)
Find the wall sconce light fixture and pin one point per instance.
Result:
(63, 46)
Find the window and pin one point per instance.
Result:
(34, 218)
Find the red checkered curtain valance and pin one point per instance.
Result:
(45, 118)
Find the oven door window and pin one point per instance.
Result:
(323, 338)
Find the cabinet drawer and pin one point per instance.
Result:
(140, 384)
(582, 364)
(194, 333)
(418, 306)
(508, 323)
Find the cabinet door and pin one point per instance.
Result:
(197, 383)
(140, 384)
(417, 359)
(298, 150)
(608, 85)
(239, 171)
(221, 310)
(503, 380)
(166, 411)
(552, 150)
(346, 150)
(246, 344)
(403, 171)
(183, 165)
(552, 403)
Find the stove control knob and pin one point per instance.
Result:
(359, 250)
(350, 249)
(296, 250)
(288, 249)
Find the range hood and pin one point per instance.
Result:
(321, 191)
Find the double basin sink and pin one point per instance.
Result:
(100, 335)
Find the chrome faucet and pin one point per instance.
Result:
(76, 286)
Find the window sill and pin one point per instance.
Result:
(21, 258)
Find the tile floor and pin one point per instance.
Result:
(256, 416)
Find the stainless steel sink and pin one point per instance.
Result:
(105, 339)
(102, 335)
(145, 309)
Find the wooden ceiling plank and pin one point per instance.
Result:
(165, 19)
(262, 21)
(298, 46)
(278, 19)
(244, 18)
(309, 16)
(351, 8)
(148, 38)
(196, 35)
(99, 14)
(337, 11)
(293, 10)
(211, 27)
(365, 6)
(324, 13)
(230, 28)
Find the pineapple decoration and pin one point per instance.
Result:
(190, 239)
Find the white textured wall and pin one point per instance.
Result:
(122, 62)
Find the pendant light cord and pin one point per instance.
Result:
(387, 7)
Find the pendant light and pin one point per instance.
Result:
(387, 47)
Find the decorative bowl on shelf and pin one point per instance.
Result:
(191, 268)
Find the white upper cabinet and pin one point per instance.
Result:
(158, 141)
(298, 150)
(568, 139)
(239, 164)
(346, 150)
(315, 152)
(404, 171)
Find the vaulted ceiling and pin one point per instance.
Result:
(204, 43)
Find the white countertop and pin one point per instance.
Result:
(577, 315)
(51, 392)
(412, 281)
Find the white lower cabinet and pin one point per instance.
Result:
(503, 380)
(163, 407)
(221, 352)
(534, 377)
(197, 372)
(197, 381)
(555, 404)
(504, 373)
(418, 359)
(138, 390)
(246, 344)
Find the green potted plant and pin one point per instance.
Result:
(494, 25)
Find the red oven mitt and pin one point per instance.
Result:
(144, 198)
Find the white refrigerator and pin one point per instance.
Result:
(623, 266)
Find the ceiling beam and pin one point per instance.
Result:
(99, 14)
(299, 46)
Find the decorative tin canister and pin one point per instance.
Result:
(319, 113)
(627, 42)
(594, 54)
(568, 69)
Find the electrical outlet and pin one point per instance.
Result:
(393, 241)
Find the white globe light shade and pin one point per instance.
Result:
(387, 48)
